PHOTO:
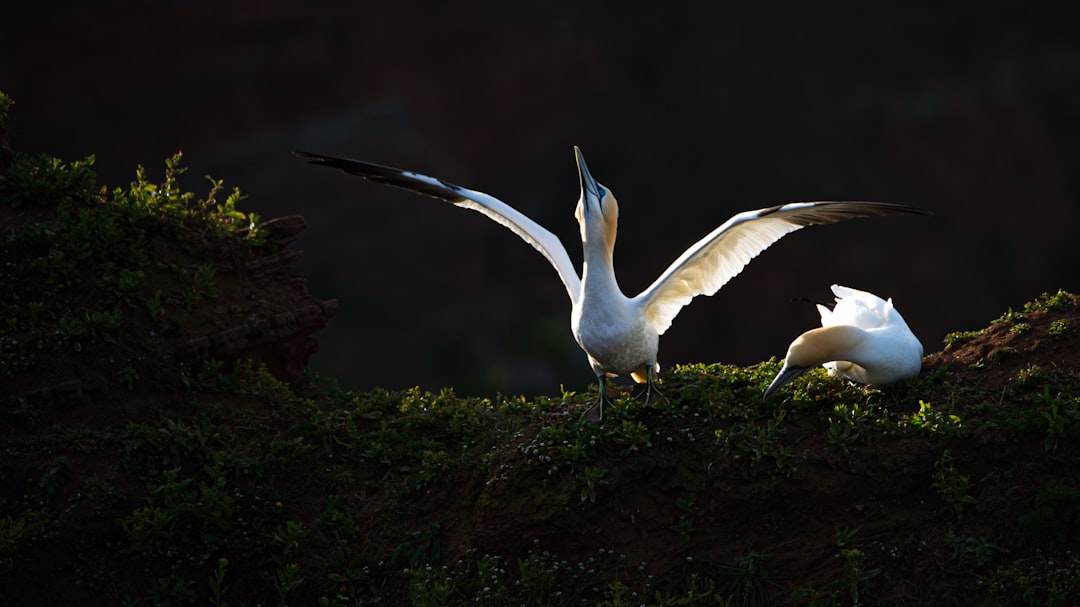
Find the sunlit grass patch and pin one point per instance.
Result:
(76, 277)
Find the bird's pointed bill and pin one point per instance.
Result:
(589, 186)
(788, 373)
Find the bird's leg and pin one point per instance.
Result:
(596, 412)
(650, 392)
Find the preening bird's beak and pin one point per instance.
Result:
(788, 373)
(590, 190)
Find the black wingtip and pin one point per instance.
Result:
(429, 186)
(890, 208)
(905, 208)
(367, 170)
(315, 158)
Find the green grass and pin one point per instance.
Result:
(326, 509)
(85, 270)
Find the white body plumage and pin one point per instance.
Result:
(863, 338)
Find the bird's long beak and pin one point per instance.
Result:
(590, 190)
(788, 373)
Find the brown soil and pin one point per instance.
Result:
(261, 313)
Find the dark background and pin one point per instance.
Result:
(688, 112)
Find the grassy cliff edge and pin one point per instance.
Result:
(163, 444)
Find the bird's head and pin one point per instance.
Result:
(597, 211)
(816, 347)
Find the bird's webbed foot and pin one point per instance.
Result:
(650, 394)
(595, 413)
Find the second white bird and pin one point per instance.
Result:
(863, 339)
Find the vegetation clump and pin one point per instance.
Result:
(107, 289)
(91, 247)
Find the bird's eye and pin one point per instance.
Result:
(600, 191)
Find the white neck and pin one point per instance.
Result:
(598, 274)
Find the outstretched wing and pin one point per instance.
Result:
(721, 255)
(529, 231)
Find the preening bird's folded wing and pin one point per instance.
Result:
(859, 308)
(826, 315)
(714, 260)
(529, 231)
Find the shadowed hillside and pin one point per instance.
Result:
(163, 444)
